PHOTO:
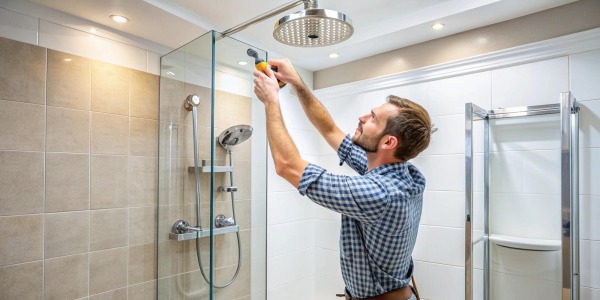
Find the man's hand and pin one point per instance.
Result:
(285, 71)
(266, 87)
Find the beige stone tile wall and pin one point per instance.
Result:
(78, 177)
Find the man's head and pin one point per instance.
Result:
(402, 119)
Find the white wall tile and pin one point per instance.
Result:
(589, 173)
(443, 172)
(16, 26)
(530, 84)
(301, 289)
(258, 210)
(448, 96)
(590, 263)
(276, 183)
(292, 112)
(589, 294)
(449, 137)
(68, 40)
(344, 111)
(446, 209)
(531, 133)
(446, 245)
(290, 237)
(327, 234)
(477, 211)
(153, 63)
(589, 125)
(289, 207)
(541, 172)
(420, 250)
(323, 213)
(585, 75)
(589, 221)
(370, 100)
(506, 286)
(327, 266)
(477, 255)
(327, 289)
(414, 92)
(444, 283)
(506, 172)
(525, 215)
(285, 269)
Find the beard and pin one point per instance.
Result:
(367, 143)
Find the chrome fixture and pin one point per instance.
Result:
(311, 27)
(191, 101)
(234, 135)
(222, 221)
(227, 189)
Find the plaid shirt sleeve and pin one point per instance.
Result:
(353, 155)
(359, 197)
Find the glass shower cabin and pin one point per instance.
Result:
(212, 174)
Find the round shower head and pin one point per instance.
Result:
(313, 27)
(234, 135)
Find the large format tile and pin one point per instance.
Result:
(110, 134)
(108, 228)
(67, 182)
(108, 179)
(67, 130)
(69, 81)
(22, 239)
(585, 75)
(22, 126)
(143, 95)
(66, 277)
(108, 270)
(25, 281)
(66, 233)
(27, 77)
(21, 183)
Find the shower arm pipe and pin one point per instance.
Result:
(263, 17)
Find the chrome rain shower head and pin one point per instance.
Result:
(313, 27)
(234, 135)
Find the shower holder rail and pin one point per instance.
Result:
(202, 233)
(206, 168)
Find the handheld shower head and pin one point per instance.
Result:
(234, 135)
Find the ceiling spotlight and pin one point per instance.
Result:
(334, 55)
(119, 19)
(437, 26)
(242, 63)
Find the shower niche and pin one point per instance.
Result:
(212, 174)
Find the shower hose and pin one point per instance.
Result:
(197, 175)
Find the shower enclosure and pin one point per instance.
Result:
(212, 174)
(522, 204)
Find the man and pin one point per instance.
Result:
(381, 208)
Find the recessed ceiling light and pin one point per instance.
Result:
(437, 26)
(334, 55)
(93, 30)
(242, 63)
(119, 19)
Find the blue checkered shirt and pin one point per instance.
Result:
(380, 211)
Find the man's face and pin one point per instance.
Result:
(370, 128)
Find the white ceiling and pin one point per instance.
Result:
(379, 25)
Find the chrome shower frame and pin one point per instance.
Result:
(569, 116)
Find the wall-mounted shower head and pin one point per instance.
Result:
(234, 135)
(191, 101)
(313, 27)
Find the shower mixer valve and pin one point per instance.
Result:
(222, 221)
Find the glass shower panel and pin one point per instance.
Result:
(525, 208)
(204, 68)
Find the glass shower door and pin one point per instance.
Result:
(199, 179)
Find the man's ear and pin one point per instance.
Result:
(389, 141)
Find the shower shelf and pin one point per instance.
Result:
(205, 168)
(203, 233)
(525, 243)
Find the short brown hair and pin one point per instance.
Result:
(412, 127)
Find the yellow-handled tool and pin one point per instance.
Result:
(261, 65)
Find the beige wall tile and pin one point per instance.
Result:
(22, 126)
(144, 95)
(231, 109)
(120, 294)
(66, 277)
(142, 225)
(143, 137)
(171, 100)
(108, 181)
(21, 183)
(68, 130)
(108, 228)
(21, 238)
(26, 80)
(23, 281)
(69, 80)
(142, 181)
(67, 182)
(110, 134)
(108, 270)
(143, 291)
(110, 88)
(142, 263)
(239, 288)
(66, 233)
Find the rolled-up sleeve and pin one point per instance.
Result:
(353, 155)
(360, 197)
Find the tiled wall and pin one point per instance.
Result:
(78, 152)
(529, 157)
